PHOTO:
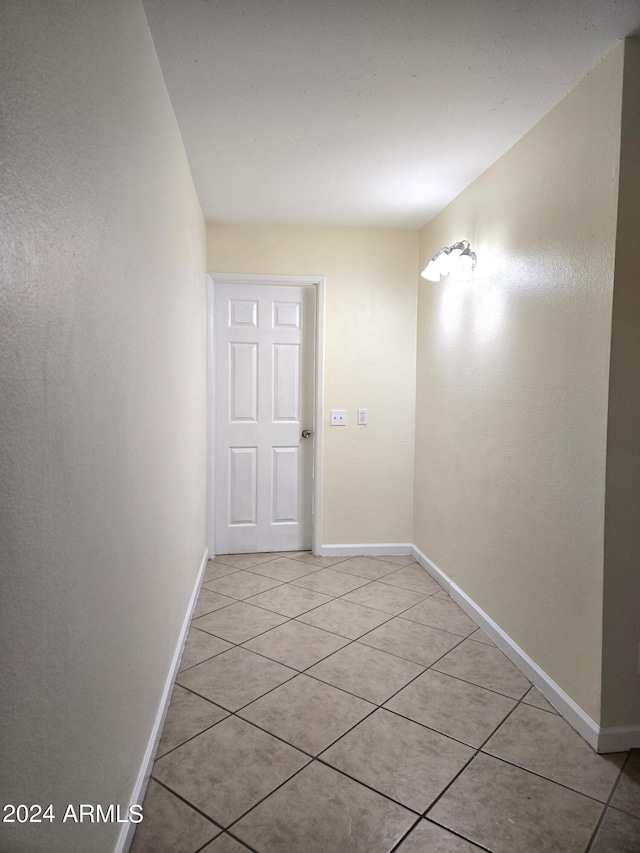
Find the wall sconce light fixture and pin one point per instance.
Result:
(457, 261)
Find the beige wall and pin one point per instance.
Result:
(103, 415)
(620, 682)
(369, 362)
(512, 386)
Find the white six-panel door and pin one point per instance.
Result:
(264, 389)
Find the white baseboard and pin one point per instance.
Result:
(601, 739)
(139, 789)
(619, 738)
(396, 549)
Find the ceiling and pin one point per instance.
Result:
(365, 112)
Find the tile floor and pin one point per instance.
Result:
(348, 705)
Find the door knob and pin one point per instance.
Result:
(306, 433)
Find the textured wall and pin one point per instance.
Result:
(103, 415)
(369, 362)
(512, 386)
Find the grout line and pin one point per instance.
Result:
(608, 805)
(190, 804)
(406, 835)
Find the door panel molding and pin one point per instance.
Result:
(283, 316)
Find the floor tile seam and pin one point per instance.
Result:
(371, 580)
(235, 598)
(270, 577)
(304, 612)
(324, 748)
(457, 834)
(298, 671)
(460, 637)
(187, 668)
(215, 610)
(379, 609)
(296, 582)
(601, 803)
(307, 563)
(192, 737)
(351, 639)
(233, 710)
(410, 588)
(368, 786)
(608, 804)
(476, 749)
(429, 666)
(187, 802)
(219, 558)
(260, 728)
(473, 683)
(244, 843)
(217, 578)
(229, 828)
(378, 704)
(437, 627)
(238, 645)
(405, 836)
(324, 764)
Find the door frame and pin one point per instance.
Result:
(318, 282)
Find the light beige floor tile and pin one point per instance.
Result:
(534, 697)
(283, 569)
(480, 637)
(367, 567)
(452, 707)
(485, 666)
(225, 844)
(307, 713)
(296, 644)
(399, 758)
(318, 562)
(331, 582)
(289, 600)
(627, 794)
(429, 838)
(508, 810)
(169, 825)
(187, 716)
(344, 618)
(411, 641)
(242, 584)
(320, 810)
(413, 577)
(239, 622)
(445, 615)
(546, 744)
(389, 599)
(235, 678)
(396, 559)
(200, 646)
(216, 570)
(228, 769)
(618, 833)
(366, 672)
(242, 561)
(208, 602)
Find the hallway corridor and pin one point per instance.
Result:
(348, 705)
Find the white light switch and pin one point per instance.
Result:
(338, 417)
(363, 417)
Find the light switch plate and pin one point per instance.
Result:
(338, 417)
